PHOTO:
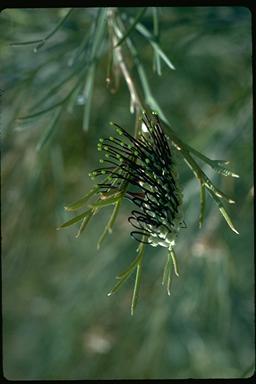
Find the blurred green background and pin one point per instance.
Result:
(58, 322)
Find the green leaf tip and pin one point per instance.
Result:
(228, 219)
(75, 219)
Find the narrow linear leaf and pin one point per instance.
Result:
(42, 41)
(108, 195)
(118, 285)
(102, 237)
(222, 170)
(58, 26)
(122, 277)
(79, 203)
(165, 269)
(42, 111)
(114, 216)
(75, 219)
(228, 219)
(54, 30)
(132, 26)
(108, 227)
(157, 64)
(130, 269)
(154, 44)
(98, 33)
(173, 256)
(106, 202)
(49, 132)
(157, 61)
(163, 56)
(224, 213)
(54, 90)
(217, 165)
(155, 22)
(167, 275)
(202, 204)
(85, 222)
(78, 98)
(89, 93)
(217, 192)
(137, 284)
(83, 47)
(59, 103)
(169, 279)
(20, 43)
(150, 100)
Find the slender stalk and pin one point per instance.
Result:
(136, 103)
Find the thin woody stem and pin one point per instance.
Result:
(136, 103)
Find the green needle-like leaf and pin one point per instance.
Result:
(216, 191)
(227, 218)
(118, 285)
(43, 111)
(157, 61)
(129, 269)
(202, 204)
(75, 219)
(79, 203)
(154, 44)
(173, 256)
(168, 272)
(215, 164)
(224, 212)
(41, 42)
(55, 89)
(132, 26)
(20, 43)
(105, 202)
(47, 135)
(137, 281)
(85, 222)
(88, 92)
(108, 227)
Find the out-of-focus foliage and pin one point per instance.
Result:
(58, 322)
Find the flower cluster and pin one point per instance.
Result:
(143, 169)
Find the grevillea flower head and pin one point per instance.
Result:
(143, 168)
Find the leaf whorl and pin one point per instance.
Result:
(144, 169)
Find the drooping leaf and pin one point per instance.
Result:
(79, 203)
(74, 220)
(224, 213)
(49, 131)
(88, 93)
(137, 280)
(202, 204)
(109, 225)
(154, 44)
(41, 42)
(167, 275)
(132, 26)
(85, 221)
